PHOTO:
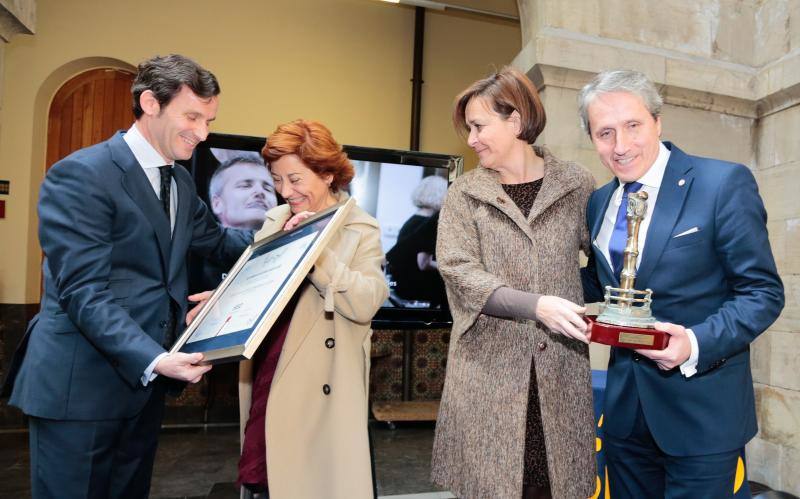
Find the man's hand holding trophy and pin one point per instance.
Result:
(625, 318)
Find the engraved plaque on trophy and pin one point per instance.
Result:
(625, 318)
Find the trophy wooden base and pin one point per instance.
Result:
(638, 338)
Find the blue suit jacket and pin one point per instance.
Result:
(720, 281)
(110, 273)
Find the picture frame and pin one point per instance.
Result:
(243, 308)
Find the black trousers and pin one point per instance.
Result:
(96, 459)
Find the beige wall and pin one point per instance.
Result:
(345, 62)
(729, 72)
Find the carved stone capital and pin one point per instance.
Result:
(17, 17)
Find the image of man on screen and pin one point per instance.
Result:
(241, 192)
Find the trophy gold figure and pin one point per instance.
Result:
(625, 318)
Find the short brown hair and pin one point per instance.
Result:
(313, 143)
(165, 76)
(507, 90)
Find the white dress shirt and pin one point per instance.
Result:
(651, 183)
(149, 159)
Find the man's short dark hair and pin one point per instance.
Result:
(165, 76)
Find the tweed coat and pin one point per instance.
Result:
(317, 444)
(484, 243)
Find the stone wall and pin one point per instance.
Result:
(775, 452)
(729, 72)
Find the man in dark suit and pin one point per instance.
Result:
(116, 221)
(676, 421)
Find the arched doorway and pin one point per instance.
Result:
(88, 109)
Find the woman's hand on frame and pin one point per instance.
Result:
(562, 316)
(296, 219)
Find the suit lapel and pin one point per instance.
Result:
(603, 195)
(275, 220)
(669, 204)
(485, 187)
(138, 187)
(556, 184)
(182, 222)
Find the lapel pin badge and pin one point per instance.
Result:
(681, 182)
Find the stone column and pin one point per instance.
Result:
(729, 72)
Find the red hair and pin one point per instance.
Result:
(312, 142)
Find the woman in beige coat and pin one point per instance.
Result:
(516, 414)
(314, 427)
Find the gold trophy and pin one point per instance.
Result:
(625, 318)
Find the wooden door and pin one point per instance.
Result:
(88, 109)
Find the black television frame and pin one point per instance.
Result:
(386, 317)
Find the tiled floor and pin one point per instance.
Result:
(193, 463)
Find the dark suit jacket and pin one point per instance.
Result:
(110, 273)
(720, 281)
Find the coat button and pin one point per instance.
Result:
(501, 200)
(541, 346)
(330, 342)
(637, 357)
(326, 389)
(162, 324)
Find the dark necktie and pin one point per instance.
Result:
(166, 184)
(619, 237)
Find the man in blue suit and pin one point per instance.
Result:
(677, 420)
(116, 221)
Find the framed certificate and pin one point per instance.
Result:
(241, 311)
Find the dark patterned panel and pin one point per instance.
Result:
(385, 380)
(428, 364)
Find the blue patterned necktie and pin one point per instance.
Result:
(619, 237)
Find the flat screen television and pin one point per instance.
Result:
(403, 190)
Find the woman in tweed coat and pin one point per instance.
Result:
(516, 416)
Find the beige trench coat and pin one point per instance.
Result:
(317, 444)
(484, 243)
